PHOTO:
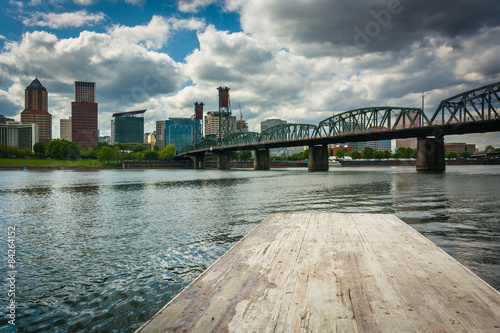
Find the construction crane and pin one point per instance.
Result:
(241, 118)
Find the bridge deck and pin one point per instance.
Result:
(333, 272)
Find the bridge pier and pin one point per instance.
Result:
(430, 154)
(223, 161)
(261, 159)
(318, 158)
(199, 161)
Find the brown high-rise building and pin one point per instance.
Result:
(36, 110)
(84, 130)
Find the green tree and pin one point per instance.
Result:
(105, 154)
(451, 154)
(26, 152)
(340, 153)
(168, 152)
(89, 153)
(69, 150)
(117, 153)
(39, 149)
(378, 155)
(139, 148)
(156, 148)
(356, 155)
(387, 154)
(489, 149)
(52, 148)
(150, 155)
(465, 154)
(368, 152)
(102, 144)
(62, 149)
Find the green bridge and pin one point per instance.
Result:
(474, 111)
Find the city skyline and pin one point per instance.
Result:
(301, 63)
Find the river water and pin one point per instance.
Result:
(105, 250)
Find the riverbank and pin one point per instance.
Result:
(52, 164)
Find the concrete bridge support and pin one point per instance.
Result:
(199, 161)
(430, 154)
(261, 159)
(318, 158)
(223, 161)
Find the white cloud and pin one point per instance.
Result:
(192, 6)
(273, 68)
(136, 2)
(126, 74)
(64, 20)
(155, 34)
(84, 2)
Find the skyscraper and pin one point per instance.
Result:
(36, 110)
(84, 92)
(84, 130)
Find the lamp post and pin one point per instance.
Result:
(423, 95)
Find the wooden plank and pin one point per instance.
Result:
(322, 272)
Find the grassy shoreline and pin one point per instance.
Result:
(33, 163)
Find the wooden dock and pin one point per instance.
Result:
(333, 273)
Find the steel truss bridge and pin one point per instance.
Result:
(474, 111)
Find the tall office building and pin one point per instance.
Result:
(36, 110)
(65, 129)
(84, 92)
(179, 132)
(212, 124)
(160, 133)
(84, 130)
(128, 127)
(270, 123)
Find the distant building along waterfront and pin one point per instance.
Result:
(4, 120)
(212, 124)
(270, 123)
(459, 147)
(241, 126)
(18, 135)
(179, 132)
(128, 127)
(160, 133)
(84, 131)
(65, 129)
(36, 110)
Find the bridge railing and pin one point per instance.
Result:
(474, 105)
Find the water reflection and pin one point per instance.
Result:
(103, 251)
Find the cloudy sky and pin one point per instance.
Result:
(299, 60)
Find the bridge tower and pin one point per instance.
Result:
(197, 122)
(225, 120)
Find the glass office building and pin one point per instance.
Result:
(179, 132)
(128, 127)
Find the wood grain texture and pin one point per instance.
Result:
(322, 272)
